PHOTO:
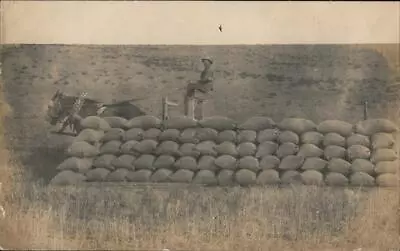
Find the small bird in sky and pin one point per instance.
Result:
(220, 28)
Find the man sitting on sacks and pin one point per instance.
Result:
(199, 91)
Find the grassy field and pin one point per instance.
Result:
(279, 81)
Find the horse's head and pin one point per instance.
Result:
(55, 109)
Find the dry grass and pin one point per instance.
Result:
(302, 218)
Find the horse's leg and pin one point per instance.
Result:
(76, 123)
(64, 125)
(200, 105)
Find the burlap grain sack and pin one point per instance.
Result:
(386, 180)
(189, 136)
(362, 165)
(205, 177)
(116, 122)
(291, 162)
(114, 134)
(358, 139)
(310, 150)
(143, 175)
(180, 123)
(358, 152)
(335, 126)
(287, 149)
(168, 148)
(124, 161)
(164, 162)
(386, 167)
(288, 136)
(312, 177)
(361, 179)
(249, 162)
(226, 177)
(246, 149)
(291, 177)
(118, 175)
(314, 163)
(182, 176)
(207, 134)
(333, 151)
(226, 162)
(145, 161)
(128, 147)
(189, 149)
(111, 147)
(245, 177)
(186, 162)
(228, 148)
(247, 136)
(207, 163)
(144, 122)
(104, 161)
(218, 123)
(89, 135)
(297, 125)
(269, 162)
(336, 179)
(170, 134)
(146, 146)
(383, 154)
(372, 126)
(82, 149)
(338, 165)
(382, 140)
(266, 148)
(97, 174)
(161, 175)
(134, 134)
(207, 148)
(335, 139)
(268, 135)
(152, 133)
(268, 177)
(95, 123)
(67, 177)
(227, 135)
(257, 123)
(315, 138)
(74, 164)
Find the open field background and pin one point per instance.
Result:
(316, 82)
(312, 81)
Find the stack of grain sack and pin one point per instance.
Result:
(219, 151)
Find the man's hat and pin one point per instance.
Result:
(208, 59)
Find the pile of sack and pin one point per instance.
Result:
(219, 151)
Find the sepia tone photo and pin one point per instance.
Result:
(135, 125)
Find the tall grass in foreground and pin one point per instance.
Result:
(193, 218)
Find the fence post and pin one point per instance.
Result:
(365, 110)
(164, 109)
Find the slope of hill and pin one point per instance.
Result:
(313, 81)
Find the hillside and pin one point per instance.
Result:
(317, 82)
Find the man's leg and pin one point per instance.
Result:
(200, 107)
(189, 101)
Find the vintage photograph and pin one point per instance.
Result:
(135, 125)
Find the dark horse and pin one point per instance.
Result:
(61, 105)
